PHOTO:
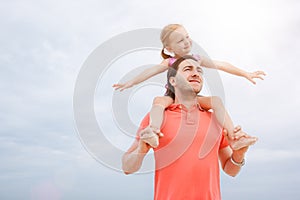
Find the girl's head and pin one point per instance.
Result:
(176, 40)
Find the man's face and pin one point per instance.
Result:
(189, 76)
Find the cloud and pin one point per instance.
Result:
(44, 44)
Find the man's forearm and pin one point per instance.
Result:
(234, 164)
(132, 161)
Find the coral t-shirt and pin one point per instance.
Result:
(186, 160)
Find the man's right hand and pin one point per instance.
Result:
(243, 139)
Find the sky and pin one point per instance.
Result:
(45, 46)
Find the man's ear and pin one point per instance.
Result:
(172, 81)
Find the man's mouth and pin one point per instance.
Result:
(196, 81)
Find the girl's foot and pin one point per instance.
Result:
(242, 142)
(150, 137)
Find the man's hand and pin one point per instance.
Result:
(242, 141)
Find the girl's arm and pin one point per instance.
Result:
(146, 74)
(229, 68)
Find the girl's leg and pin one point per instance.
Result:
(152, 132)
(157, 111)
(216, 104)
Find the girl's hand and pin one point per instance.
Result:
(252, 75)
(122, 86)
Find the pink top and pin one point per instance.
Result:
(172, 59)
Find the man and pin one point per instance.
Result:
(192, 147)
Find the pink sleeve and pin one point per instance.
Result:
(171, 61)
(197, 57)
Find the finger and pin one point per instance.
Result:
(261, 73)
(155, 130)
(230, 136)
(225, 132)
(160, 134)
(237, 128)
(260, 77)
(116, 87)
(252, 81)
(239, 135)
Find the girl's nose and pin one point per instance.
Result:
(186, 41)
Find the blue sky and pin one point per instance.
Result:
(44, 45)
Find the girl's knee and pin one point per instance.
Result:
(163, 101)
(217, 100)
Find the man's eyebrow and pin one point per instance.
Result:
(200, 69)
(192, 66)
(188, 66)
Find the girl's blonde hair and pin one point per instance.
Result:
(164, 36)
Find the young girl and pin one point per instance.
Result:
(176, 41)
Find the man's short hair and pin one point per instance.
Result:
(172, 71)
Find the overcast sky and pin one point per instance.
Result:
(43, 48)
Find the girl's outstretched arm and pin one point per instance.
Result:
(229, 68)
(216, 104)
(146, 74)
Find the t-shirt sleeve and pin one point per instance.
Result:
(143, 125)
(224, 143)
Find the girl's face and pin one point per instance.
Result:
(179, 42)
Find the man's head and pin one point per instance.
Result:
(184, 75)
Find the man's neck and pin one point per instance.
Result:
(188, 100)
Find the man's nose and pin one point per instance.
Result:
(196, 73)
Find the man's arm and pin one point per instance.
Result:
(132, 160)
(232, 161)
